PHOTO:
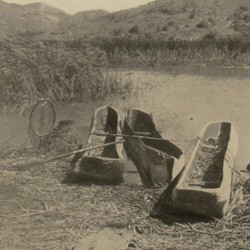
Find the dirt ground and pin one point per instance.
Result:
(42, 209)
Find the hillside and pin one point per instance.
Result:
(30, 19)
(179, 18)
(78, 25)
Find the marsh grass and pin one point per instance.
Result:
(157, 51)
(33, 70)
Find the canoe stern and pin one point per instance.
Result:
(209, 195)
(203, 202)
(103, 169)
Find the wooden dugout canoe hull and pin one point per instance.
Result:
(157, 161)
(204, 186)
(105, 164)
(102, 169)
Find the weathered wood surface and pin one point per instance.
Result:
(107, 163)
(157, 161)
(30, 164)
(205, 188)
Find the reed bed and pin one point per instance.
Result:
(32, 70)
(45, 209)
(145, 50)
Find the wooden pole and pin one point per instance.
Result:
(27, 165)
(132, 136)
(142, 137)
(245, 171)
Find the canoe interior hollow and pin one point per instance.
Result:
(106, 120)
(143, 122)
(207, 165)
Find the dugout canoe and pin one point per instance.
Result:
(105, 164)
(157, 160)
(204, 186)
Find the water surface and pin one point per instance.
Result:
(182, 100)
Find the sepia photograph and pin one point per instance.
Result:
(124, 124)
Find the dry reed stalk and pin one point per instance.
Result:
(76, 210)
(33, 70)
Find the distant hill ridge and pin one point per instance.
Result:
(168, 18)
(34, 18)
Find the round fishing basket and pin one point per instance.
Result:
(41, 121)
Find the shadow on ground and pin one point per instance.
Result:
(73, 178)
(169, 215)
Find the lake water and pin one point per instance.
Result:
(182, 100)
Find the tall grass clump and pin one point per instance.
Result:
(31, 70)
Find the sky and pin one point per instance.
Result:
(73, 6)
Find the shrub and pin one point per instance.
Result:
(164, 28)
(212, 35)
(243, 7)
(246, 18)
(118, 31)
(192, 16)
(203, 24)
(134, 30)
